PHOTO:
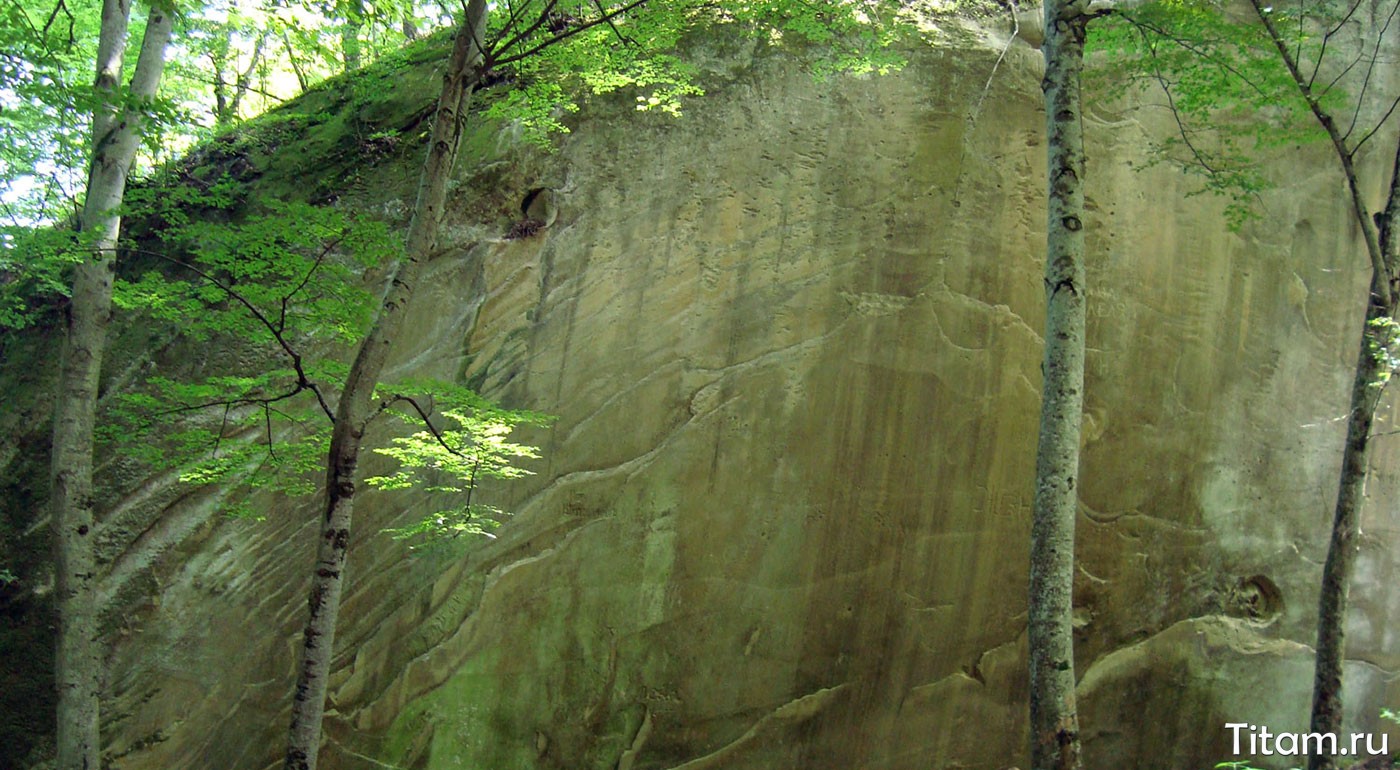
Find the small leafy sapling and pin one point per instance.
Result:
(469, 443)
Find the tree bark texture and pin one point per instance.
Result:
(1053, 718)
(115, 135)
(355, 406)
(1372, 367)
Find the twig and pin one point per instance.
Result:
(1344, 155)
(1370, 70)
(570, 32)
(427, 421)
(303, 381)
(1015, 30)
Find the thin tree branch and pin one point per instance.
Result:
(1327, 38)
(292, 60)
(267, 422)
(423, 415)
(1384, 119)
(1190, 47)
(229, 403)
(243, 83)
(315, 265)
(223, 425)
(303, 381)
(1370, 69)
(986, 88)
(1344, 155)
(520, 37)
(629, 41)
(1360, 55)
(570, 32)
(1166, 87)
(60, 5)
(515, 12)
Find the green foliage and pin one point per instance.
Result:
(1383, 342)
(286, 284)
(855, 37)
(33, 267)
(450, 455)
(7, 577)
(1224, 84)
(46, 100)
(223, 430)
(636, 51)
(283, 285)
(292, 272)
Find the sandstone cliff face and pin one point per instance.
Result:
(793, 343)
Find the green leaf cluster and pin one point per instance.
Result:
(1383, 342)
(293, 271)
(463, 438)
(279, 294)
(1224, 85)
(637, 52)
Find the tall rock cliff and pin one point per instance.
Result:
(793, 341)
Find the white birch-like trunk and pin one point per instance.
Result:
(1054, 721)
(355, 406)
(115, 135)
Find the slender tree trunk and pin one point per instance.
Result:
(245, 78)
(302, 82)
(1342, 546)
(78, 665)
(355, 406)
(350, 48)
(221, 116)
(1053, 719)
(1372, 369)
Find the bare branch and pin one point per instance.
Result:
(1382, 276)
(1327, 38)
(1333, 83)
(515, 12)
(267, 421)
(244, 81)
(1370, 69)
(1384, 119)
(986, 89)
(60, 5)
(521, 36)
(230, 403)
(1166, 87)
(223, 425)
(305, 279)
(629, 41)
